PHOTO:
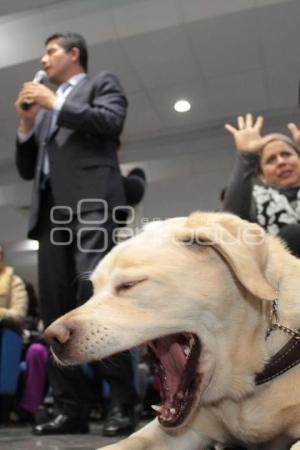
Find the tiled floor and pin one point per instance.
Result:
(21, 438)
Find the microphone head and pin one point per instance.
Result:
(40, 77)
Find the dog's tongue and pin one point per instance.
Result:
(172, 358)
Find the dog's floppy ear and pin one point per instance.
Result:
(242, 244)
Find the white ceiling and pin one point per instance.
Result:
(225, 56)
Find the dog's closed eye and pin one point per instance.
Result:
(126, 285)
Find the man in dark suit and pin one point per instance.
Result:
(67, 141)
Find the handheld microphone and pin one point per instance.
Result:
(39, 77)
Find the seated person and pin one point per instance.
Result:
(13, 307)
(265, 182)
(13, 295)
(33, 379)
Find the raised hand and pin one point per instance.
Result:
(295, 132)
(247, 135)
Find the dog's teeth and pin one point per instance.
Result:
(186, 350)
(173, 411)
(157, 408)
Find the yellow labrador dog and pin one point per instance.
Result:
(214, 299)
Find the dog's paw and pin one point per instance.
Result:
(133, 444)
(121, 445)
(110, 447)
(296, 446)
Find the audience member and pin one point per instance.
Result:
(265, 182)
(67, 141)
(13, 295)
(134, 185)
(33, 375)
(33, 386)
(13, 307)
(129, 219)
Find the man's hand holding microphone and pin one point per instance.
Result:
(33, 95)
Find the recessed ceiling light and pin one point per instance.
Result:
(182, 106)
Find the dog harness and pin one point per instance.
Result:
(287, 357)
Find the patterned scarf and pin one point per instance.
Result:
(275, 208)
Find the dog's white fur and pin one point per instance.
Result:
(214, 275)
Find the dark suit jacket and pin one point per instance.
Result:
(82, 149)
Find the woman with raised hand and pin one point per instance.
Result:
(265, 183)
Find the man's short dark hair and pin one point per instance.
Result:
(70, 40)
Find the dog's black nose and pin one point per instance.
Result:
(57, 335)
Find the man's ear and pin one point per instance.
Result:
(245, 251)
(75, 53)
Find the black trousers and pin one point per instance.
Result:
(69, 250)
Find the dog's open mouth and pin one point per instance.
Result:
(176, 359)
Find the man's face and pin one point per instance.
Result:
(57, 62)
